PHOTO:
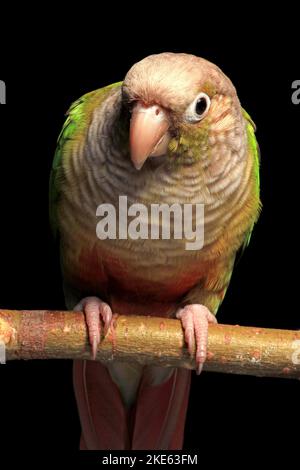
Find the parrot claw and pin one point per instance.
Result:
(94, 309)
(94, 347)
(195, 319)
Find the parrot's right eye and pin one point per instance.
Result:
(198, 108)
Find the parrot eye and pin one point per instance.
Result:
(198, 108)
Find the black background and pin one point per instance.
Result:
(45, 69)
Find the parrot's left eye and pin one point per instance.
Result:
(198, 108)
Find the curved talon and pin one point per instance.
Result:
(195, 319)
(94, 309)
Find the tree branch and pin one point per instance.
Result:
(150, 340)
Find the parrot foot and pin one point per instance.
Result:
(195, 319)
(94, 308)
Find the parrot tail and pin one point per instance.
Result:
(155, 422)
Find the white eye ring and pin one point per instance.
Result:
(198, 108)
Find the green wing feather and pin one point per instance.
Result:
(79, 117)
(254, 149)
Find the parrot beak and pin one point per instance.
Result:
(148, 133)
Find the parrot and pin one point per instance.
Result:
(172, 132)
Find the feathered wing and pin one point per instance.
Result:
(79, 117)
(255, 155)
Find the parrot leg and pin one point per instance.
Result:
(94, 308)
(195, 319)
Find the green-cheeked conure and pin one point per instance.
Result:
(173, 132)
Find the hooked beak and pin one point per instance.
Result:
(148, 133)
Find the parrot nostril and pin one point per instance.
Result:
(157, 111)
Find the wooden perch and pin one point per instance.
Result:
(150, 340)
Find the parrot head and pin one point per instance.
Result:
(179, 103)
